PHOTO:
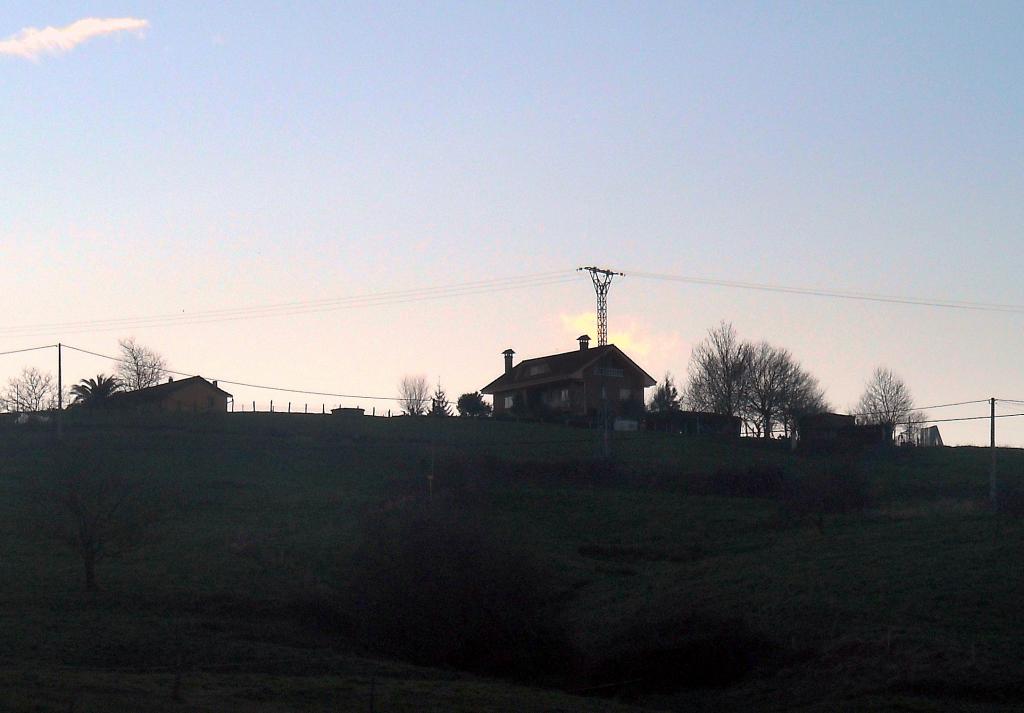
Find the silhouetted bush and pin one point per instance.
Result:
(432, 586)
(97, 502)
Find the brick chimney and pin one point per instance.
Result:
(584, 340)
(508, 360)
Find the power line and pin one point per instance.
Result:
(969, 418)
(29, 349)
(398, 398)
(252, 386)
(837, 294)
(925, 408)
(391, 297)
(958, 403)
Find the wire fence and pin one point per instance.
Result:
(322, 408)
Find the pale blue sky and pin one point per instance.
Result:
(250, 153)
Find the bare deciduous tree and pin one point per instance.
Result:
(95, 504)
(30, 391)
(413, 395)
(886, 400)
(139, 367)
(913, 426)
(769, 383)
(719, 372)
(779, 390)
(806, 397)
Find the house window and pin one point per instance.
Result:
(624, 394)
(510, 401)
(608, 371)
(565, 395)
(538, 369)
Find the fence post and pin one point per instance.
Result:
(289, 407)
(271, 405)
(254, 407)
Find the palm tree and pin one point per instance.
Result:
(95, 392)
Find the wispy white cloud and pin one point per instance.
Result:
(32, 42)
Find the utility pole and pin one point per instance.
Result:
(993, 492)
(60, 394)
(602, 279)
(433, 447)
(606, 445)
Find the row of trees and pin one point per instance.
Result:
(766, 387)
(416, 399)
(759, 382)
(138, 367)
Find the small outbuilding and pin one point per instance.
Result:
(928, 436)
(348, 412)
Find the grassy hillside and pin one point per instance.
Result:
(683, 562)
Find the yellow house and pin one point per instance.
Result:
(192, 395)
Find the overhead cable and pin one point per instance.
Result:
(392, 297)
(253, 386)
(968, 418)
(837, 294)
(923, 408)
(29, 349)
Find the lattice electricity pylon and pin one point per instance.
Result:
(602, 281)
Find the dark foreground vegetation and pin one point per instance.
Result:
(267, 562)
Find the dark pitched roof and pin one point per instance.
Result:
(826, 421)
(159, 392)
(559, 367)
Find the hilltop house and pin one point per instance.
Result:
(193, 395)
(582, 383)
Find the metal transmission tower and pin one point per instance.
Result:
(602, 281)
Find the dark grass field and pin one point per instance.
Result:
(676, 583)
